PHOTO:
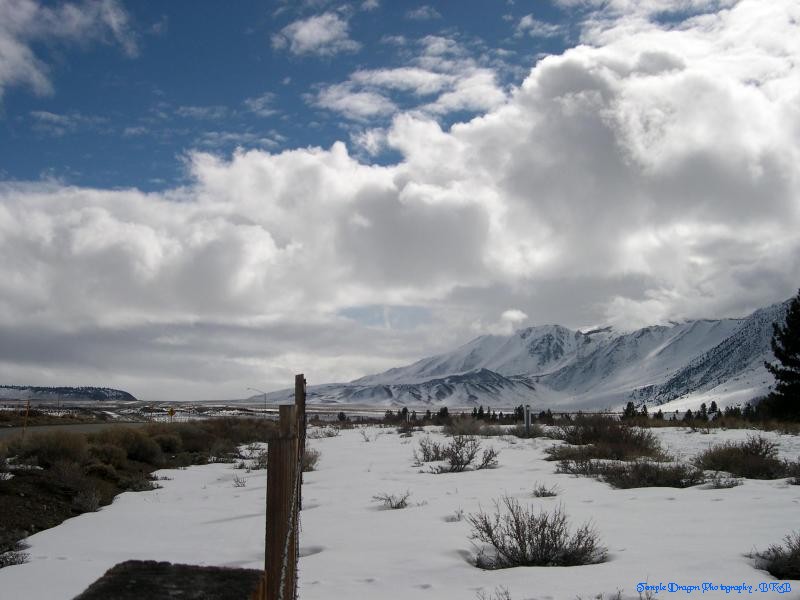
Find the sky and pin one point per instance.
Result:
(197, 198)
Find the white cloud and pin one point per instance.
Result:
(410, 79)
(352, 103)
(56, 124)
(261, 105)
(25, 23)
(423, 13)
(324, 35)
(649, 175)
(532, 27)
(211, 113)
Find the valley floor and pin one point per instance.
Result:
(352, 547)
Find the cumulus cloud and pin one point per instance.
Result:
(323, 35)
(646, 175)
(442, 75)
(528, 25)
(423, 13)
(26, 23)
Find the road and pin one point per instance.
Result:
(9, 432)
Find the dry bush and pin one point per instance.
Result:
(518, 537)
(540, 490)
(428, 451)
(463, 452)
(15, 556)
(138, 446)
(723, 482)
(463, 426)
(393, 501)
(49, 447)
(756, 458)
(109, 454)
(311, 458)
(239, 482)
(536, 431)
(641, 473)
(604, 438)
(782, 562)
(317, 433)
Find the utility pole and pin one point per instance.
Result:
(265, 398)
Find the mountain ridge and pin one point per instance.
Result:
(556, 367)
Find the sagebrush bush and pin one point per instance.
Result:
(755, 458)
(782, 562)
(170, 443)
(138, 446)
(640, 473)
(540, 490)
(393, 501)
(311, 458)
(109, 454)
(536, 431)
(462, 452)
(604, 438)
(428, 451)
(15, 556)
(463, 426)
(518, 537)
(101, 471)
(52, 446)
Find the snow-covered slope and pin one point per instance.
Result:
(553, 366)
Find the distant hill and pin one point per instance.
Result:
(32, 392)
(674, 366)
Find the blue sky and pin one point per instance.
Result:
(216, 76)
(201, 197)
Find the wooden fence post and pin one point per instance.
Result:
(283, 467)
(300, 404)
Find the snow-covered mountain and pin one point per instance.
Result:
(674, 366)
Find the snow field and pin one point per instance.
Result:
(352, 547)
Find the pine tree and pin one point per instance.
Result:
(629, 412)
(785, 399)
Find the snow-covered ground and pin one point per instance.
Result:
(353, 548)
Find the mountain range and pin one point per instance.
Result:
(674, 366)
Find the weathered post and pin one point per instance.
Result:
(527, 419)
(283, 483)
(300, 404)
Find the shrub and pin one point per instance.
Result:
(101, 471)
(756, 458)
(316, 433)
(520, 538)
(52, 446)
(429, 451)
(460, 454)
(782, 562)
(170, 443)
(311, 458)
(138, 482)
(393, 501)
(239, 482)
(109, 454)
(542, 491)
(536, 431)
(635, 474)
(87, 500)
(604, 438)
(137, 445)
(15, 556)
(462, 426)
(722, 482)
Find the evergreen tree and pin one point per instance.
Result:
(659, 415)
(428, 415)
(629, 412)
(480, 412)
(713, 408)
(785, 399)
(703, 414)
(474, 413)
(688, 416)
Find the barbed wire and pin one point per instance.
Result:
(294, 518)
